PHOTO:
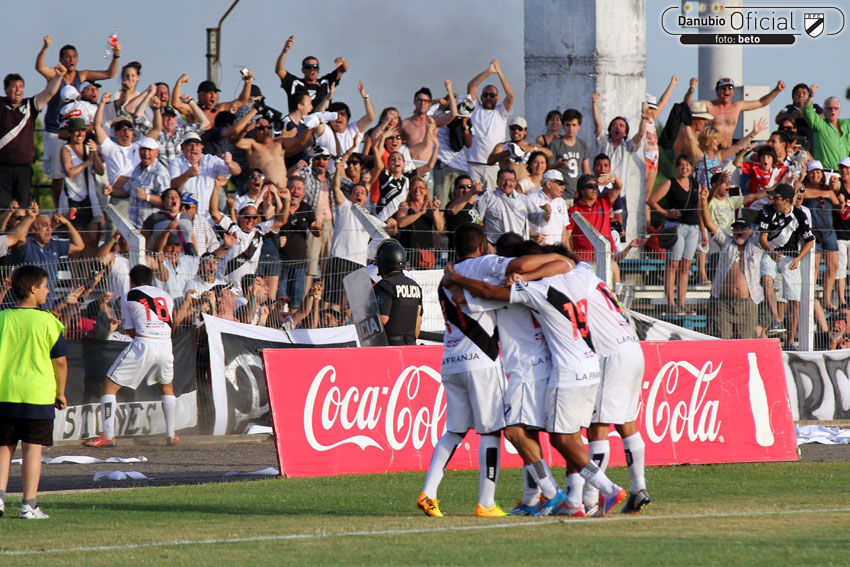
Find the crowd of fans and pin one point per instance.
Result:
(306, 189)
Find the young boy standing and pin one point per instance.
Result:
(33, 369)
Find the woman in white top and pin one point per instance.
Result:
(79, 199)
(537, 164)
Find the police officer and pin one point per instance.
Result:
(399, 297)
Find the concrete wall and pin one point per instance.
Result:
(576, 47)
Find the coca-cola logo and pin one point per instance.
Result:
(696, 416)
(369, 416)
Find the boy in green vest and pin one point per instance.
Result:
(33, 369)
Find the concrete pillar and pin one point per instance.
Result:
(576, 47)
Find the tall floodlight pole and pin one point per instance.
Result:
(214, 46)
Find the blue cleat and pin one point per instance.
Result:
(523, 510)
(606, 504)
(547, 506)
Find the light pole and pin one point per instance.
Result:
(214, 47)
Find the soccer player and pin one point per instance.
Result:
(561, 307)
(474, 382)
(146, 314)
(33, 369)
(527, 362)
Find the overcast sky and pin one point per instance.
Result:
(394, 47)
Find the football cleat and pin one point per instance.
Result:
(171, 441)
(571, 511)
(548, 505)
(431, 506)
(99, 442)
(30, 513)
(492, 512)
(522, 509)
(2, 508)
(606, 504)
(636, 502)
(590, 511)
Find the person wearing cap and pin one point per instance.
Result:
(80, 163)
(414, 129)
(76, 107)
(143, 184)
(488, 121)
(736, 290)
(841, 222)
(317, 87)
(167, 221)
(687, 134)
(122, 154)
(173, 133)
(820, 197)
(831, 133)
(556, 231)
(727, 111)
(17, 136)
(70, 76)
(786, 236)
(654, 108)
(508, 210)
(514, 153)
(615, 142)
(207, 96)
(196, 172)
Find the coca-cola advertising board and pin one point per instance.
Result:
(382, 409)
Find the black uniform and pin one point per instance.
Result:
(400, 298)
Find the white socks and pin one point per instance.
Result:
(575, 488)
(442, 454)
(543, 477)
(597, 479)
(488, 461)
(600, 453)
(635, 454)
(530, 490)
(169, 405)
(107, 414)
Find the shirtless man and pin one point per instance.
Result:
(725, 110)
(208, 97)
(265, 152)
(414, 129)
(700, 117)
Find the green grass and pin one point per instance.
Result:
(748, 514)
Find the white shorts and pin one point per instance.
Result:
(150, 359)
(51, 163)
(619, 392)
(526, 404)
(475, 399)
(569, 409)
(792, 280)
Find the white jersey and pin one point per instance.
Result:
(525, 354)
(560, 313)
(242, 258)
(147, 310)
(471, 340)
(609, 328)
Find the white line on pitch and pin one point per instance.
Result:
(328, 535)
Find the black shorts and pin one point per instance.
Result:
(32, 431)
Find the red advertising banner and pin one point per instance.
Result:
(382, 409)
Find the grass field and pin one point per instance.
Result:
(747, 514)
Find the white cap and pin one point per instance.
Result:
(191, 136)
(69, 92)
(518, 121)
(148, 143)
(814, 164)
(651, 101)
(553, 175)
(844, 162)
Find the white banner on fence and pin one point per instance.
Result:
(218, 366)
(818, 384)
(651, 329)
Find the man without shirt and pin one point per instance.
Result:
(414, 129)
(727, 111)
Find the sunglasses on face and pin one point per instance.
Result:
(251, 217)
(396, 137)
(257, 176)
(591, 186)
(466, 186)
(355, 163)
(264, 127)
(310, 66)
(520, 128)
(489, 95)
(20, 217)
(321, 157)
(186, 207)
